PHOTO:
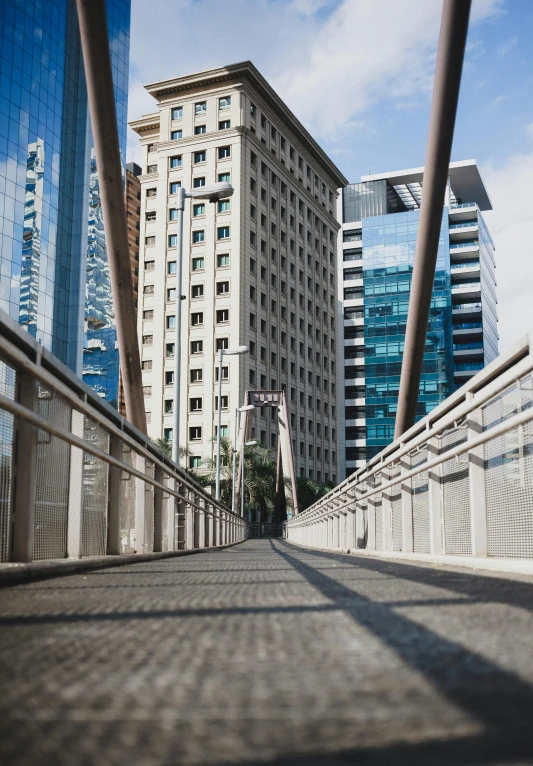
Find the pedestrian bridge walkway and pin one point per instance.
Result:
(266, 652)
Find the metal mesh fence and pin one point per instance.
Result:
(52, 485)
(420, 503)
(509, 475)
(149, 511)
(95, 493)
(456, 494)
(127, 505)
(7, 389)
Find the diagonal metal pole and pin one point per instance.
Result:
(452, 42)
(98, 74)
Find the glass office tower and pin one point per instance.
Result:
(53, 268)
(380, 224)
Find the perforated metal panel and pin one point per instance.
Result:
(509, 476)
(52, 485)
(127, 505)
(396, 507)
(7, 389)
(420, 503)
(95, 493)
(456, 494)
(149, 510)
(361, 528)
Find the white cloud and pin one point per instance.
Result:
(511, 225)
(506, 47)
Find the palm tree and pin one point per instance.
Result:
(166, 447)
(308, 491)
(226, 470)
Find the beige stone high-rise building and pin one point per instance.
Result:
(259, 269)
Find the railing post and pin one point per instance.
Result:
(181, 517)
(113, 512)
(476, 474)
(75, 490)
(436, 537)
(25, 471)
(371, 516)
(159, 475)
(207, 526)
(386, 505)
(407, 507)
(189, 536)
(140, 504)
(195, 521)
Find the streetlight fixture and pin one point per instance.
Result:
(221, 354)
(212, 193)
(245, 444)
(246, 408)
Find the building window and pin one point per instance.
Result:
(169, 377)
(223, 431)
(197, 346)
(223, 205)
(169, 406)
(147, 364)
(171, 293)
(172, 214)
(151, 215)
(198, 236)
(148, 340)
(197, 291)
(197, 318)
(221, 343)
(222, 315)
(149, 241)
(177, 113)
(197, 375)
(171, 267)
(169, 349)
(224, 178)
(198, 264)
(222, 260)
(199, 157)
(151, 169)
(174, 186)
(148, 290)
(195, 404)
(225, 373)
(172, 240)
(224, 102)
(223, 402)
(223, 152)
(175, 135)
(167, 434)
(199, 130)
(175, 162)
(151, 193)
(199, 209)
(195, 461)
(222, 232)
(222, 288)
(195, 433)
(198, 182)
(200, 107)
(170, 322)
(224, 125)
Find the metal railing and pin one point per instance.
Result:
(460, 481)
(456, 205)
(77, 479)
(465, 225)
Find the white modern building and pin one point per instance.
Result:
(259, 269)
(376, 252)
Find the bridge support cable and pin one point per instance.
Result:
(450, 56)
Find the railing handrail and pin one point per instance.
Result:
(515, 365)
(19, 359)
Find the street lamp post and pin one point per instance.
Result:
(244, 444)
(212, 193)
(221, 354)
(246, 408)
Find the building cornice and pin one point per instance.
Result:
(245, 72)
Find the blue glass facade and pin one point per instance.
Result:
(388, 248)
(53, 266)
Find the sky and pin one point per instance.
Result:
(359, 75)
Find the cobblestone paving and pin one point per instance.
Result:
(266, 653)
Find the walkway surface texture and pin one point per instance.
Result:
(267, 653)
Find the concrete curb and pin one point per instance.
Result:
(14, 573)
(488, 564)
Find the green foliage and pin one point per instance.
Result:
(166, 447)
(308, 492)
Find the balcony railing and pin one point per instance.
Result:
(456, 205)
(465, 225)
(468, 346)
(77, 479)
(459, 482)
(464, 265)
(470, 243)
(468, 326)
(468, 366)
(471, 306)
